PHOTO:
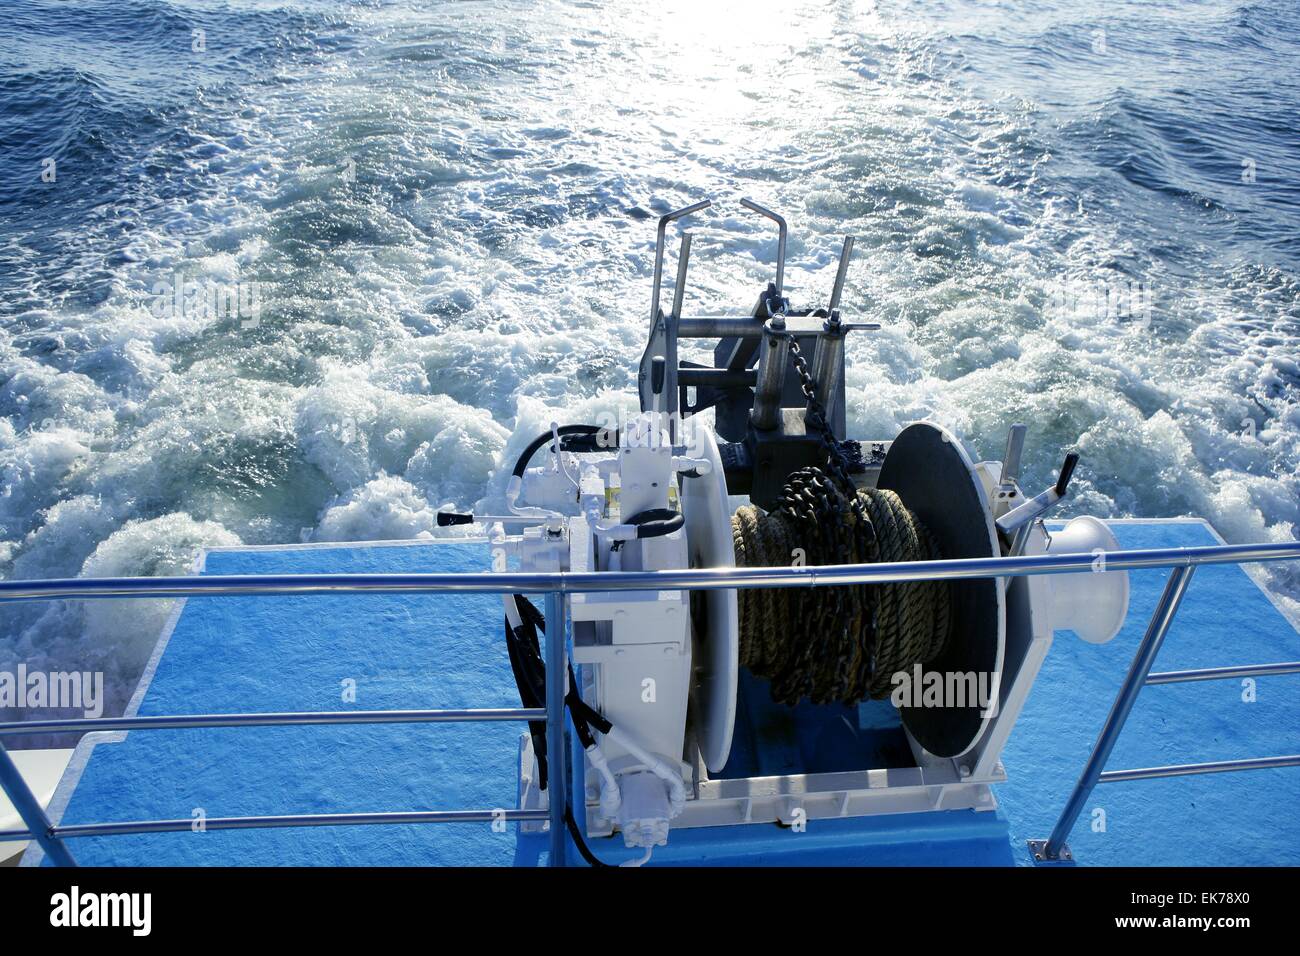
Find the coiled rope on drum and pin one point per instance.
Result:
(844, 642)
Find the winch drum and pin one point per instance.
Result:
(714, 616)
(929, 470)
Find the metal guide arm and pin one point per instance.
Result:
(659, 252)
(663, 334)
(780, 242)
(841, 274)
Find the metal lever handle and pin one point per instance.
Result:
(1011, 459)
(447, 518)
(679, 290)
(659, 252)
(1067, 472)
(845, 254)
(1019, 518)
(780, 242)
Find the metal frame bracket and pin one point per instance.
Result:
(1038, 850)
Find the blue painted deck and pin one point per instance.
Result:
(295, 653)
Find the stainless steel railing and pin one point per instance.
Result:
(50, 837)
(1054, 848)
(695, 579)
(557, 586)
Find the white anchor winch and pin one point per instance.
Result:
(655, 674)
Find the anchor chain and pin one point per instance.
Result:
(840, 643)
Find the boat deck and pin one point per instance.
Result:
(277, 653)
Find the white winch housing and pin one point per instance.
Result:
(664, 671)
(664, 666)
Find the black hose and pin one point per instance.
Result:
(602, 439)
(530, 679)
(656, 522)
(582, 438)
(576, 832)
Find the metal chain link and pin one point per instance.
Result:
(837, 460)
(839, 643)
(811, 495)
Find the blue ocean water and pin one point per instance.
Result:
(430, 225)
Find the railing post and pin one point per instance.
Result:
(557, 672)
(1161, 618)
(29, 808)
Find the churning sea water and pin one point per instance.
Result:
(307, 270)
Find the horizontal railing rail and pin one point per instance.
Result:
(1222, 673)
(558, 586)
(695, 579)
(293, 718)
(51, 837)
(137, 827)
(1191, 769)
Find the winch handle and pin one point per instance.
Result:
(1015, 523)
(448, 518)
(679, 288)
(1067, 472)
